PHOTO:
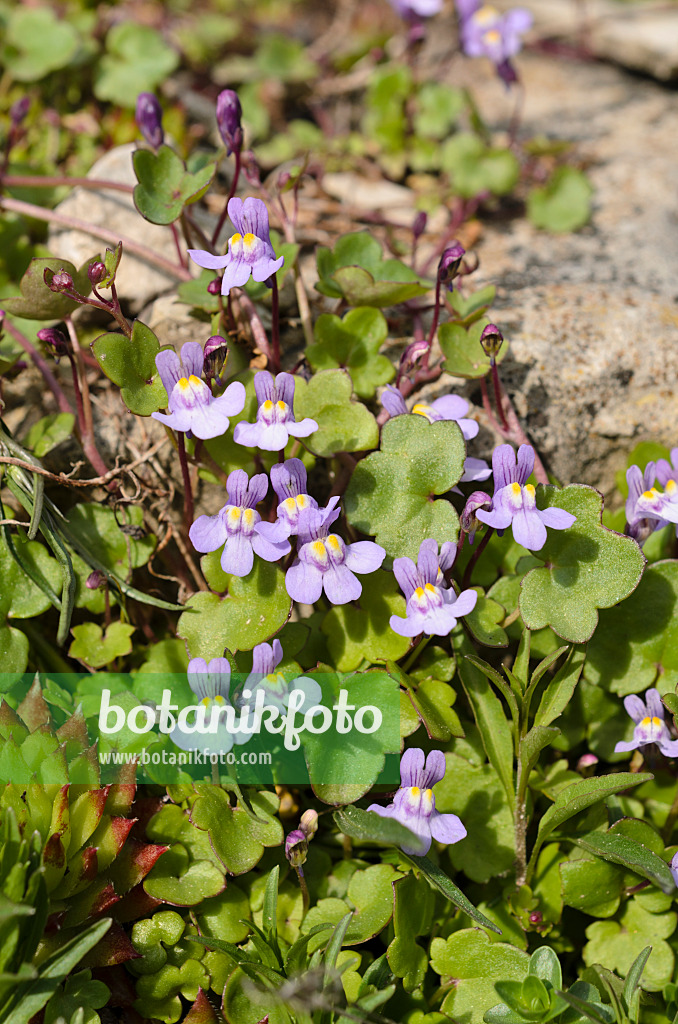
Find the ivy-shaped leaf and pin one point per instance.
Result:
(636, 643)
(392, 492)
(36, 43)
(97, 648)
(36, 301)
(343, 425)
(483, 621)
(474, 167)
(361, 630)
(137, 59)
(475, 963)
(237, 839)
(356, 271)
(254, 610)
(587, 567)
(564, 203)
(463, 353)
(353, 344)
(130, 363)
(617, 943)
(165, 185)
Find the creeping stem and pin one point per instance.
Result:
(186, 476)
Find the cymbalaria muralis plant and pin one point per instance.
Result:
(322, 699)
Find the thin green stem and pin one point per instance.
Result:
(415, 653)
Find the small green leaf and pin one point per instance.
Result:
(183, 886)
(165, 186)
(353, 343)
(97, 648)
(370, 826)
(483, 621)
(111, 261)
(137, 59)
(37, 43)
(475, 962)
(588, 567)
(563, 204)
(130, 363)
(391, 493)
(461, 347)
(49, 432)
(343, 425)
(356, 270)
(618, 943)
(37, 302)
(621, 849)
(558, 691)
(474, 167)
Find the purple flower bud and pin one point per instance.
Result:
(95, 580)
(586, 763)
(148, 116)
(420, 222)
(491, 341)
(229, 113)
(536, 917)
(60, 282)
(309, 823)
(413, 353)
(216, 354)
(214, 287)
(468, 520)
(449, 264)
(96, 272)
(296, 849)
(54, 338)
(19, 109)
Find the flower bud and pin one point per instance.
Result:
(449, 264)
(215, 355)
(491, 341)
(229, 113)
(95, 580)
(309, 823)
(19, 109)
(469, 522)
(55, 339)
(296, 849)
(586, 764)
(214, 287)
(536, 917)
(413, 353)
(420, 222)
(96, 272)
(148, 116)
(59, 282)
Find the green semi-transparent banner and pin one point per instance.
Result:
(324, 728)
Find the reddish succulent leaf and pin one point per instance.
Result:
(137, 903)
(115, 948)
(11, 724)
(33, 709)
(74, 728)
(202, 1011)
(133, 864)
(121, 796)
(145, 808)
(54, 854)
(95, 900)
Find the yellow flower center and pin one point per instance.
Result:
(485, 15)
(415, 790)
(671, 486)
(194, 380)
(319, 549)
(248, 239)
(248, 516)
(333, 542)
(282, 407)
(492, 36)
(421, 409)
(268, 405)
(234, 514)
(530, 490)
(652, 721)
(419, 592)
(183, 383)
(431, 589)
(236, 238)
(516, 489)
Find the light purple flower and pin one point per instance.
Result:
(192, 408)
(486, 32)
(276, 688)
(514, 501)
(414, 805)
(431, 606)
(275, 416)
(211, 685)
(640, 525)
(648, 717)
(449, 407)
(674, 867)
(249, 249)
(660, 505)
(289, 483)
(234, 526)
(325, 561)
(413, 10)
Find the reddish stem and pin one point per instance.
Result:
(224, 212)
(498, 396)
(468, 572)
(54, 181)
(186, 476)
(50, 379)
(275, 325)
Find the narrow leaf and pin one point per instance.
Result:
(620, 849)
(446, 886)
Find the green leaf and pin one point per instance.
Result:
(37, 43)
(130, 363)
(620, 849)
(558, 691)
(636, 643)
(588, 567)
(96, 648)
(461, 347)
(36, 301)
(391, 493)
(437, 108)
(254, 610)
(474, 167)
(183, 886)
(49, 432)
(165, 186)
(592, 886)
(475, 962)
(353, 343)
(371, 893)
(236, 837)
(111, 261)
(361, 631)
(98, 530)
(632, 982)
(343, 425)
(533, 743)
(440, 881)
(564, 203)
(356, 270)
(414, 902)
(618, 944)
(370, 826)
(483, 621)
(137, 59)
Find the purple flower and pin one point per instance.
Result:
(275, 415)
(431, 607)
(674, 867)
(211, 684)
(653, 504)
(234, 526)
(414, 805)
(640, 525)
(449, 407)
(277, 689)
(485, 32)
(514, 503)
(325, 561)
(148, 116)
(289, 483)
(413, 10)
(249, 249)
(190, 403)
(229, 114)
(648, 717)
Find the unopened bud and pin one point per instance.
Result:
(420, 222)
(96, 272)
(19, 109)
(95, 580)
(536, 917)
(309, 823)
(586, 764)
(55, 339)
(250, 168)
(229, 114)
(215, 355)
(59, 282)
(214, 287)
(468, 520)
(148, 116)
(413, 353)
(491, 341)
(296, 849)
(449, 264)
